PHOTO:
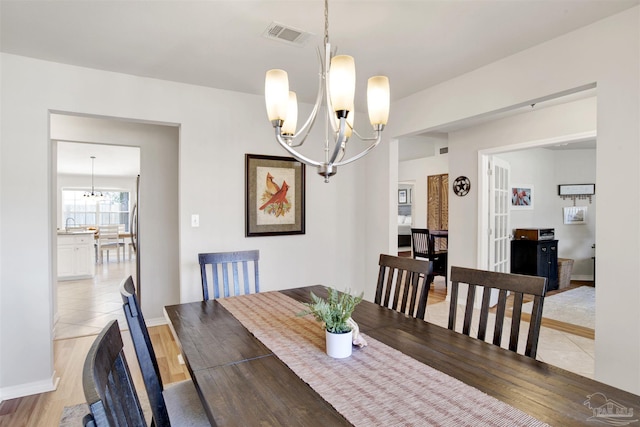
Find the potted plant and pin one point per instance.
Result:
(335, 314)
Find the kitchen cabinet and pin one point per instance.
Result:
(76, 255)
(536, 258)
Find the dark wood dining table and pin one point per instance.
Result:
(241, 382)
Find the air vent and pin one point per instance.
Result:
(444, 150)
(289, 35)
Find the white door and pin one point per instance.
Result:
(499, 226)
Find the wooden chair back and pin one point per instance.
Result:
(403, 284)
(420, 242)
(518, 285)
(423, 243)
(108, 239)
(108, 386)
(224, 263)
(145, 353)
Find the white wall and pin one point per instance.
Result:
(607, 53)
(545, 169)
(217, 128)
(417, 171)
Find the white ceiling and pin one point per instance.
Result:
(74, 158)
(219, 43)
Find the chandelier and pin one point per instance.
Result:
(336, 85)
(93, 194)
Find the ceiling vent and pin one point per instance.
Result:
(444, 150)
(289, 35)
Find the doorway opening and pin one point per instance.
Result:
(156, 166)
(95, 246)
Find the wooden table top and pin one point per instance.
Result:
(242, 383)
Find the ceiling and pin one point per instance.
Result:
(220, 44)
(74, 158)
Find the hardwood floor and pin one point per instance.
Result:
(45, 410)
(556, 324)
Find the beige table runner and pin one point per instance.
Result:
(377, 385)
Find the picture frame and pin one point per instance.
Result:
(522, 196)
(575, 215)
(402, 197)
(576, 189)
(274, 195)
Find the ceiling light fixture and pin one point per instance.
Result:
(93, 194)
(336, 84)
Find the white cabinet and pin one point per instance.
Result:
(76, 256)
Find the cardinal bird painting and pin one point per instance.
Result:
(274, 199)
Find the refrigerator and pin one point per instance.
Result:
(135, 236)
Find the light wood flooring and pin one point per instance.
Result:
(45, 410)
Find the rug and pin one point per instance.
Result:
(577, 307)
(72, 415)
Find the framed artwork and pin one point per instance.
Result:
(522, 197)
(575, 215)
(576, 189)
(274, 195)
(402, 197)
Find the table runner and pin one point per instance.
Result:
(377, 385)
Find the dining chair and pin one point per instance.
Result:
(423, 247)
(109, 239)
(107, 383)
(518, 285)
(223, 263)
(403, 284)
(177, 403)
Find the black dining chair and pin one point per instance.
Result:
(423, 247)
(107, 383)
(403, 284)
(216, 264)
(177, 404)
(518, 285)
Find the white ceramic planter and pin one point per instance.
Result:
(339, 346)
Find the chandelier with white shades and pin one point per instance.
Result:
(336, 85)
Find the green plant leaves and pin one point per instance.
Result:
(334, 311)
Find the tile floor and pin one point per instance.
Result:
(85, 306)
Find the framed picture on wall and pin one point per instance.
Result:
(274, 195)
(402, 197)
(575, 215)
(522, 197)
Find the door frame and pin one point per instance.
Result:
(483, 183)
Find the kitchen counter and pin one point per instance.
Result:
(76, 259)
(75, 232)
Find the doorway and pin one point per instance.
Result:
(96, 189)
(158, 246)
(438, 207)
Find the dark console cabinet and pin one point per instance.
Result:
(536, 258)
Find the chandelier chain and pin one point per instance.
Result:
(326, 22)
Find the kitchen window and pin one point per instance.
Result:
(113, 208)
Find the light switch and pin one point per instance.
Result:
(195, 220)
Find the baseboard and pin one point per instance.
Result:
(29, 389)
(582, 277)
(158, 321)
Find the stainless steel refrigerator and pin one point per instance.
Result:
(135, 236)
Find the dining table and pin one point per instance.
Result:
(257, 361)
